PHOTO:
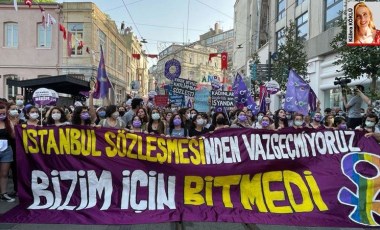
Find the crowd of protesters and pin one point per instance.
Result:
(135, 115)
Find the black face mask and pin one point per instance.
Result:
(220, 121)
(121, 113)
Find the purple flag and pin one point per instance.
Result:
(102, 82)
(242, 95)
(312, 100)
(297, 94)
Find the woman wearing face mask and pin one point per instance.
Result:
(176, 127)
(298, 121)
(136, 125)
(266, 123)
(56, 117)
(155, 125)
(316, 123)
(340, 123)
(112, 119)
(219, 121)
(81, 116)
(100, 114)
(13, 114)
(198, 127)
(141, 112)
(369, 124)
(257, 124)
(241, 120)
(32, 115)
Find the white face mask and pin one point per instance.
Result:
(19, 102)
(13, 112)
(155, 116)
(298, 123)
(34, 115)
(259, 118)
(200, 122)
(56, 116)
(192, 116)
(115, 115)
(188, 116)
(370, 124)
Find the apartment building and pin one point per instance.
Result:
(31, 50)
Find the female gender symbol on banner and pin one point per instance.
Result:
(172, 69)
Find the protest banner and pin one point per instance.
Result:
(222, 98)
(88, 175)
(201, 98)
(184, 87)
(161, 100)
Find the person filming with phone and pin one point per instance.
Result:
(353, 106)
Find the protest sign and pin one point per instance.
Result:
(86, 175)
(222, 98)
(161, 100)
(184, 87)
(201, 100)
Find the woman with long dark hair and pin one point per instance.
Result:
(280, 120)
(6, 153)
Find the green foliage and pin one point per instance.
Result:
(291, 54)
(356, 60)
(255, 58)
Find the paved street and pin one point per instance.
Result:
(4, 206)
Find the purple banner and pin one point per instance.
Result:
(80, 175)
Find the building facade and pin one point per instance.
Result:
(222, 41)
(30, 50)
(316, 23)
(195, 64)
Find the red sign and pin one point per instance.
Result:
(161, 100)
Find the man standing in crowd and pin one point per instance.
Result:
(136, 104)
(354, 107)
(20, 106)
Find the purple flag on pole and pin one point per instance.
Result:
(297, 94)
(242, 95)
(312, 100)
(102, 82)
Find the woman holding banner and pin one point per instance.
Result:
(365, 29)
(6, 153)
(241, 120)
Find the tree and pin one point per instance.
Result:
(356, 60)
(291, 54)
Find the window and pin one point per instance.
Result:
(302, 26)
(333, 11)
(120, 61)
(76, 29)
(280, 9)
(299, 2)
(11, 34)
(11, 91)
(112, 55)
(103, 41)
(44, 36)
(280, 38)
